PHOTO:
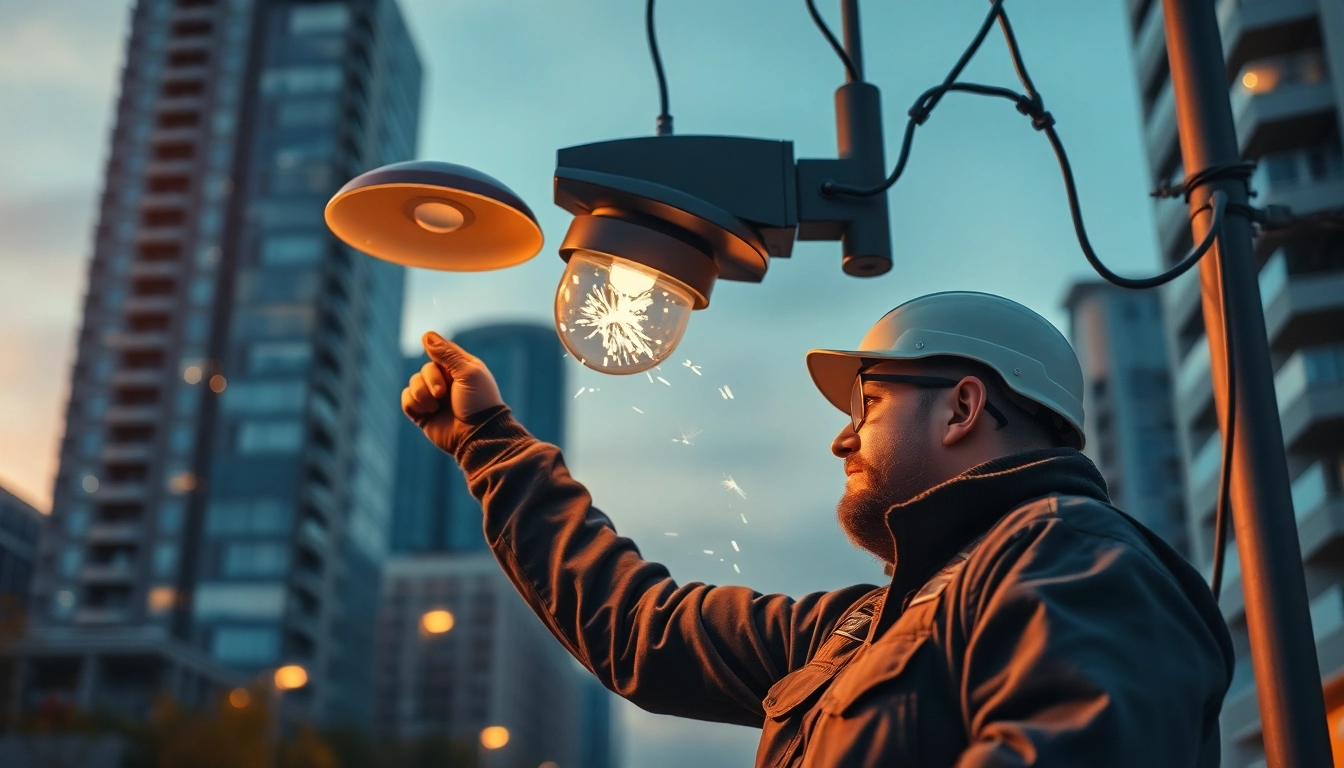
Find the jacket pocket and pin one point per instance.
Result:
(797, 687)
(882, 664)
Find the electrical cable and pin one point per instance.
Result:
(1224, 509)
(664, 125)
(839, 49)
(1031, 105)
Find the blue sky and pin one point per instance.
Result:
(981, 207)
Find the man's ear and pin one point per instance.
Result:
(967, 401)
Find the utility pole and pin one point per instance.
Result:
(1283, 650)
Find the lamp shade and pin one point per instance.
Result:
(435, 215)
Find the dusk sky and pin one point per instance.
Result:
(981, 207)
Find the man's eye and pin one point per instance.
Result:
(867, 399)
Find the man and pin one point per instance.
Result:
(1027, 622)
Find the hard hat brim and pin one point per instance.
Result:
(833, 370)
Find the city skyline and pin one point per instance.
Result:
(505, 91)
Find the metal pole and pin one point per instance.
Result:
(849, 15)
(1283, 651)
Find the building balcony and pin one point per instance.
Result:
(140, 304)
(190, 133)
(134, 414)
(1300, 309)
(1181, 298)
(124, 452)
(1159, 133)
(108, 573)
(135, 340)
(307, 580)
(150, 269)
(115, 533)
(110, 493)
(1194, 385)
(1310, 390)
(1150, 47)
(170, 167)
(1258, 25)
(166, 200)
(1280, 101)
(102, 616)
(175, 233)
(137, 377)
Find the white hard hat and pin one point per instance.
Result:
(1032, 356)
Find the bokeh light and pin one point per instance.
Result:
(437, 622)
(240, 698)
(290, 677)
(494, 737)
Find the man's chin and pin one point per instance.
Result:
(863, 519)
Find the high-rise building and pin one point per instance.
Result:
(434, 511)
(1285, 71)
(459, 652)
(1131, 435)
(226, 471)
(19, 526)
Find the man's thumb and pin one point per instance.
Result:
(444, 352)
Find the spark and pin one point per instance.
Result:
(669, 533)
(581, 391)
(436, 301)
(735, 568)
(650, 375)
(665, 381)
(735, 547)
(731, 484)
(744, 518)
(708, 551)
(619, 317)
(694, 368)
(636, 409)
(725, 392)
(686, 435)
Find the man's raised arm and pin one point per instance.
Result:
(691, 650)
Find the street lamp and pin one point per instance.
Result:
(436, 622)
(290, 677)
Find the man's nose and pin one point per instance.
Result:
(846, 442)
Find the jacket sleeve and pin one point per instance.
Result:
(692, 650)
(1082, 649)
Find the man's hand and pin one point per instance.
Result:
(450, 387)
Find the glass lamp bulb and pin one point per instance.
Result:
(618, 316)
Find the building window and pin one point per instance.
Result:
(243, 516)
(325, 19)
(246, 645)
(76, 521)
(63, 603)
(170, 517)
(71, 559)
(182, 438)
(300, 81)
(281, 436)
(255, 559)
(265, 397)
(279, 357)
(291, 250)
(305, 113)
(165, 559)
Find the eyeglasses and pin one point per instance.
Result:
(856, 398)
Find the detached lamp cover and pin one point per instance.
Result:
(436, 216)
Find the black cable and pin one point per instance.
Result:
(839, 49)
(664, 126)
(1224, 508)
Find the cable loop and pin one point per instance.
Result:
(1241, 171)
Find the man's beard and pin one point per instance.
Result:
(862, 511)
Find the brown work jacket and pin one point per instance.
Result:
(1027, 623)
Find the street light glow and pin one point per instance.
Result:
(290, 677)
(494, 737)
(437, 622)
(240, 698)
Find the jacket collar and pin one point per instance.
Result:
(931, 528)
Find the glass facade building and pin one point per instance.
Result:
(226, 474)
(1285, 78)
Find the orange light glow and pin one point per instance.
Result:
(1260, 80)
(192, 375)
(290, 677)
(437, 622)
(240, 698)
(494, 737)
(162, 599)
(218, 383)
